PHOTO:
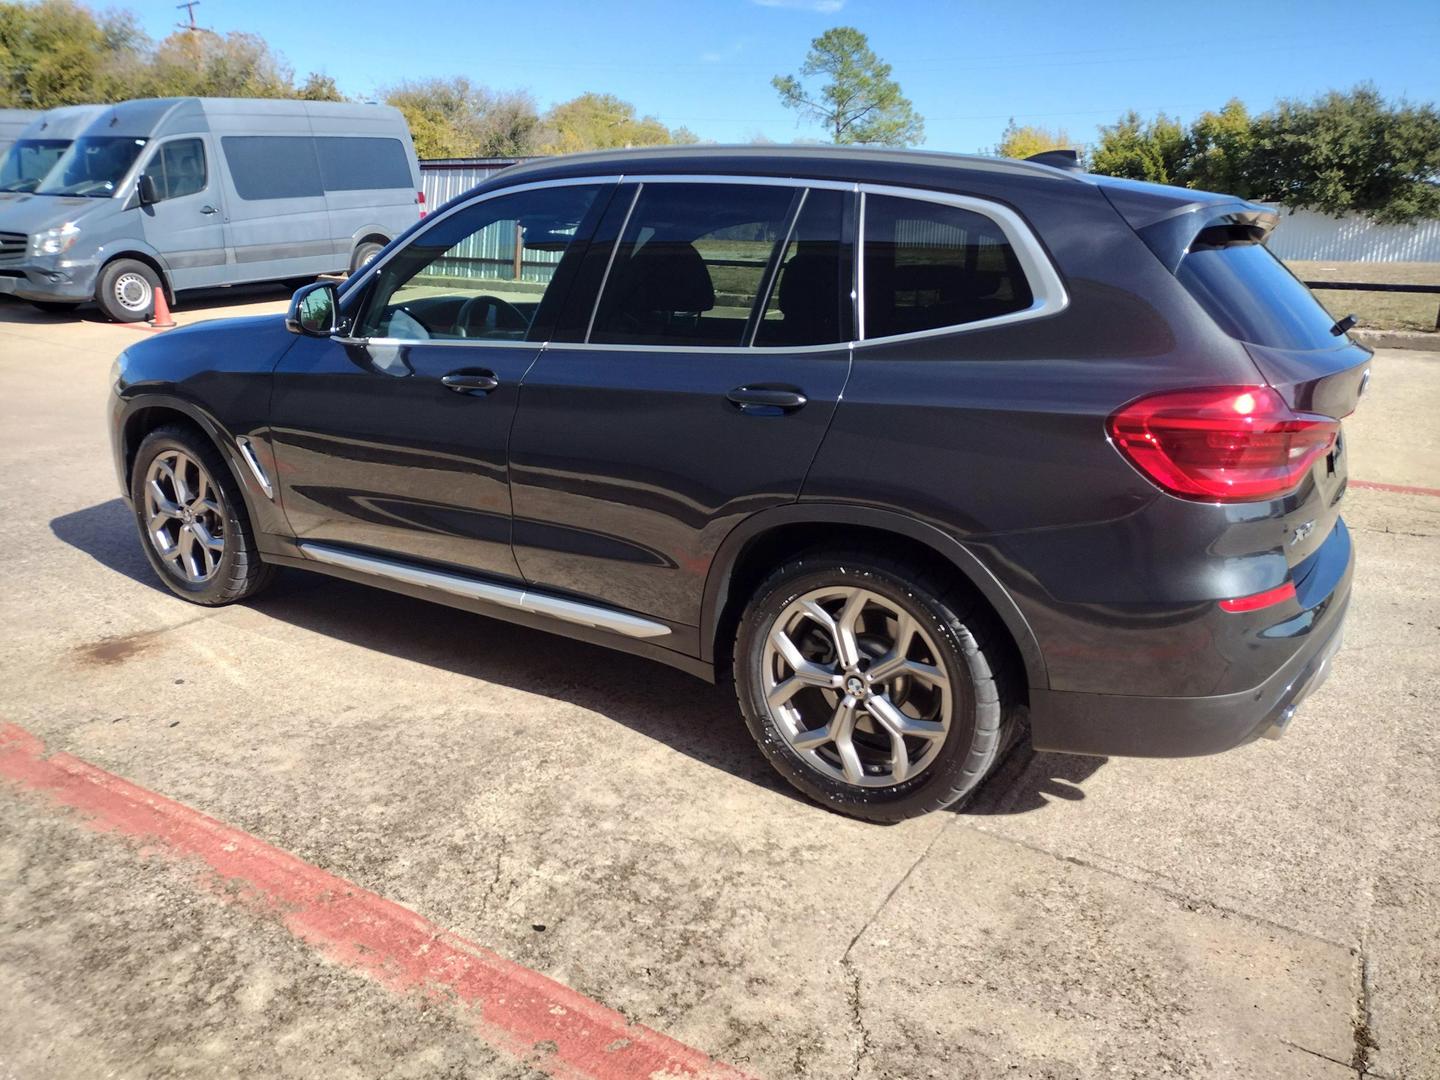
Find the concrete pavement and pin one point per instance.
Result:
(607, 822)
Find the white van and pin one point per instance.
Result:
(185, 193)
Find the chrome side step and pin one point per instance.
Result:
(537, 603)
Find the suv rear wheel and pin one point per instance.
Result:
(192, 518)
(874, 689)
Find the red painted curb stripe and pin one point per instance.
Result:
(1403, 489)
(519, 1011)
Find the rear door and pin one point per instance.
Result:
(694, 394)
(186, 225)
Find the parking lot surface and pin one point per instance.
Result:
(606, 823)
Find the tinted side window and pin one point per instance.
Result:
(691, 263)
(272, 166)
(929, 265)
(362, 164)
(809, 302)
(1255, 298)
(179, 168)
(480, 273)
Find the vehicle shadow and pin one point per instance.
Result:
(661, 703)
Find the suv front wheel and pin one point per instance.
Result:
(872, 688)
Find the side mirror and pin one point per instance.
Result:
(314, 310)
(146, 188)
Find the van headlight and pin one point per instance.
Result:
(55, 241)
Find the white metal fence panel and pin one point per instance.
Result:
(1306, 234)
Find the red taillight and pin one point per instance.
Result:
(420, 202)
(1221, 444)
(1256, 601)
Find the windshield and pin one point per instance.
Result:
(28, 161)
(93, 166)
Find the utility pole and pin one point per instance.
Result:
(189, 7)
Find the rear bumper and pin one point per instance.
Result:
(1130, 726)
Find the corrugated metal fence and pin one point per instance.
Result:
(1306, 234)
(492, 252)
(1303, 234)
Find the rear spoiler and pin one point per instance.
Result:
(1173, 220)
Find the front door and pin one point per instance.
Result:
(393, 438)
(717, 353)
(186, 224)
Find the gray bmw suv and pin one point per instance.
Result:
(917, 448)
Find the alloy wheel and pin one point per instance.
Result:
(856, 687)
(184, 516)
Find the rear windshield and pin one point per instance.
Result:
(1254, 298)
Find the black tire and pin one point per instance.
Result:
(974, 654)
(122, 279)
(239, 572)
(54, 307)
(364, 253)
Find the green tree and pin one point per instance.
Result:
(1350, 152)
(1023, 142)
(602, 122)
(319, 87)
(56, 52)
(1219, 152)
(201, 63)
(859, 102)
(1140, 150)
(457, 118)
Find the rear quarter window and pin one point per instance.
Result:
(272, 166)
(363, 164)
(1253, 297)
(929, 266)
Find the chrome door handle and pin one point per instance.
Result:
(208, 210)
(470, 382)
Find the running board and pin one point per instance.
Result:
(537, 603)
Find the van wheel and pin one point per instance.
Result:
(126, 290)
(872, 687)
(192, 519)
(365, 253)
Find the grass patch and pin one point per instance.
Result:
(1376, 310)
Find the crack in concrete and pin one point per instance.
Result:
(1361, 1029)
(852, 973)
(1191, 903)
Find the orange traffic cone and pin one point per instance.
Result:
(160, 318)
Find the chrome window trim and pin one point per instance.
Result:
(1046, 286)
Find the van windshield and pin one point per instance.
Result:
(93, 166)
(28, 161)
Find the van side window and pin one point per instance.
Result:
(179, 168)
(691, 264)
(363, 164)
(929, 265)
(479, 273)
(272, 166)
(809, 301)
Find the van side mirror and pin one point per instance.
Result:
(146, 188)
(314, 310)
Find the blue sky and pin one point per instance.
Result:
(707, 64)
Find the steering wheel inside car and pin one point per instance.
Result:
(494, 314)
